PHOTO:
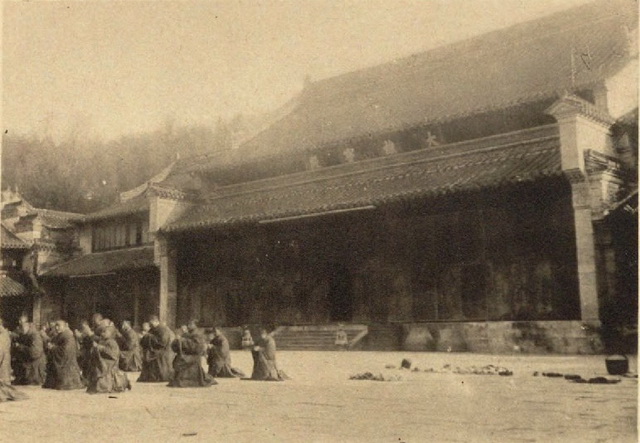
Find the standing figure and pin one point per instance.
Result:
(157, 365)
(247, 340)
(30, 358)
(104, 374)
(7, 392)
(130, 352)
(219, 357)
(190, 347)
(342, 341)
(63, 372)
(264, 359)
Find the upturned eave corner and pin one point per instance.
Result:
(570, 106)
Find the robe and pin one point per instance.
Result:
(219, 359)
(30, 358)
(264, 362)
(63, 372)
(85, 344)
(187, 365)
(130, 351)
(7, 392)
(104, 374)
(157, 365)
(5, 357)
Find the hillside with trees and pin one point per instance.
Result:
(80, 174)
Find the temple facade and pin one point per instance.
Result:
(476, 197)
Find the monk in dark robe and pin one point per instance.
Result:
(86, 338)
(63, 372)
(96, 321)
(264, 359)
(157, 365)
(187, 365)
(104, 374)
(30, 358)
(130, 351)
(5, 354)
(219, 357)
(7, 392)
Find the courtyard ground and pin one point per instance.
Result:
(321, 404)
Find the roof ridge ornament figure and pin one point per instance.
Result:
(314, 162)
(431, 140)
(389, 148)
(349, 155)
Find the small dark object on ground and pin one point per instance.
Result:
(536, 373)
(603, 381)
(597, 381)
(572, 377)
(406, 363)
(189, 434)
(505, 372)
(617, 364)
(112, 396)
(390, 366)
(552, 374)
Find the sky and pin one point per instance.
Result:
(112, 68)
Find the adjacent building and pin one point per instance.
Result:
(33, 240)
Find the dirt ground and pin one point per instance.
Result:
(321, 404)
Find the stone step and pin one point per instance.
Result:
(321, 337)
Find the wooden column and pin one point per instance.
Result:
(36, 316)
(136, 304)
(166, 261)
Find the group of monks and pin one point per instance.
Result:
(177, 358)
(97, 356)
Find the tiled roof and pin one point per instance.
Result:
(567, 51)
(104, 262)
(57, 219)
(9, 287)
(11, 241)
(159, 177)
(135, 205)
(446, 169)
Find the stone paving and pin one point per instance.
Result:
(321, 404)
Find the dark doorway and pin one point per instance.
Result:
(108, 309)
(340, 294)
(11, 308)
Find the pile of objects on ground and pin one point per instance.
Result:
(578, 378)
(448, 369)
(374, 377)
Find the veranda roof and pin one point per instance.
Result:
(8, 240)
(10, 288)
(100, 263)
(527, 156)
